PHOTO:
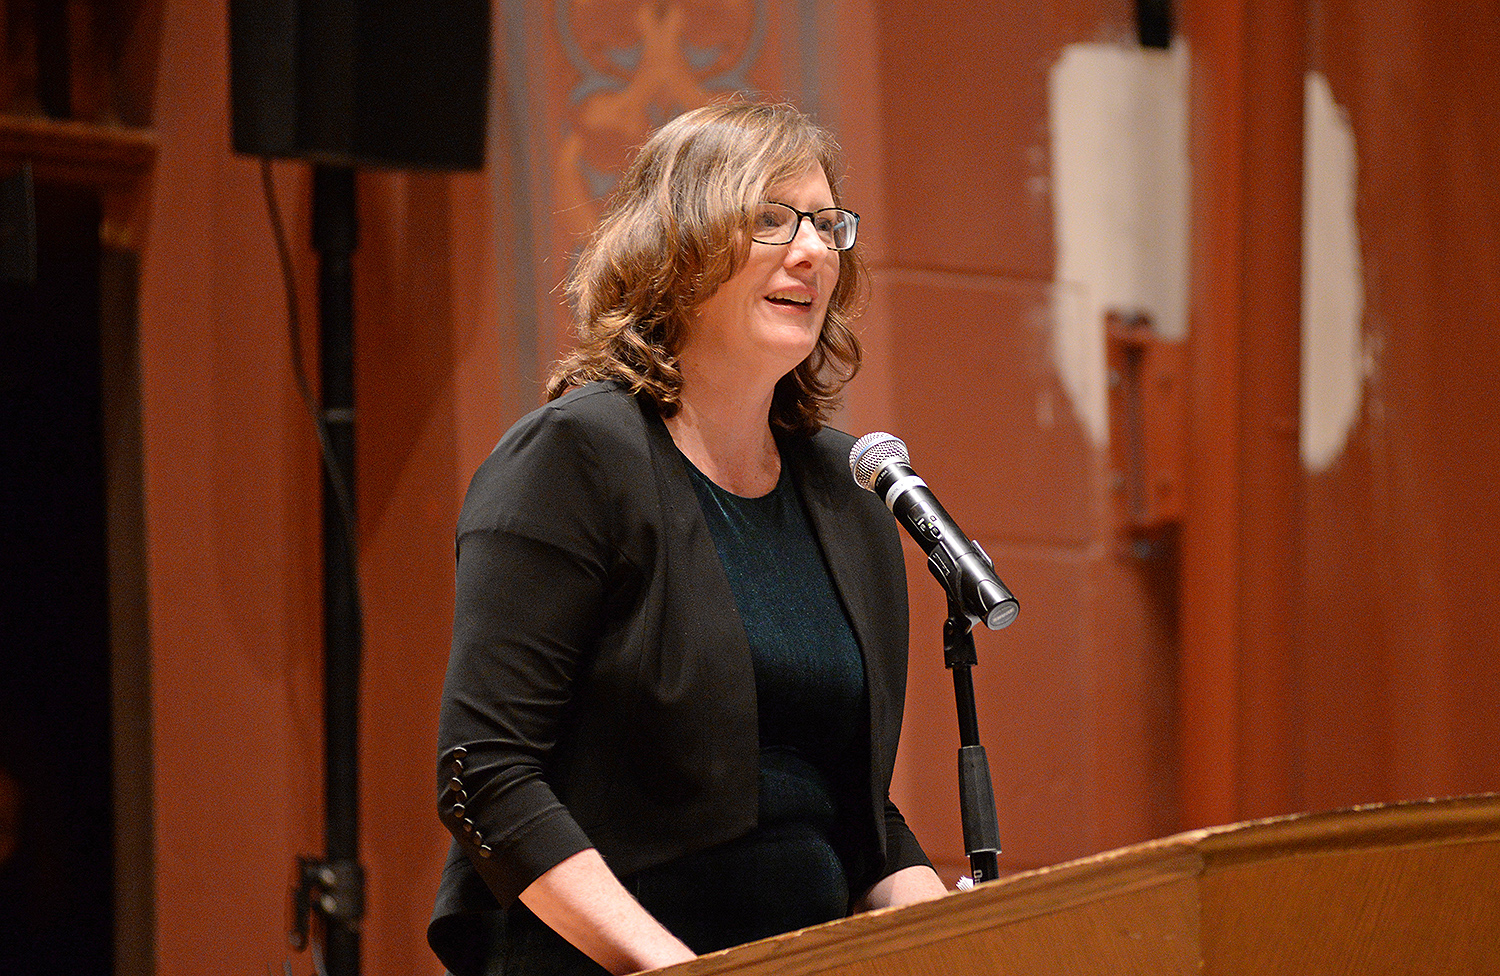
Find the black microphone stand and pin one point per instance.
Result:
(976, 793)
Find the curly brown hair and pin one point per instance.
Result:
(676, 228)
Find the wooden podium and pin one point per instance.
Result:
(1408, 888)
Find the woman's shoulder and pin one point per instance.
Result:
(586, 417)
(567, 452)
(599, 402)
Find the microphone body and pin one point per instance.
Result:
(880, 464)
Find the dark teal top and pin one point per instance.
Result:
(794, 869)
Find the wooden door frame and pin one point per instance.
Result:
(116, 164)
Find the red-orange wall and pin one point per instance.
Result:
(1398, 538)
(232, 529)
(1075, 697)
(232, 488)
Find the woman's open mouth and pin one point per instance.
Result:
(788, 299)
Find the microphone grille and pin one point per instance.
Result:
(873, 452)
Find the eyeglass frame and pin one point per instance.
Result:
(810, 215)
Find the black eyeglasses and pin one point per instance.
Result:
(776, 223)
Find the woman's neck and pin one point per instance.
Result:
(725, 430)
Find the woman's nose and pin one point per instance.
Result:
(806, 245)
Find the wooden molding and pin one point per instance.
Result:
(115, 161)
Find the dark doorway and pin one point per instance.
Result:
(57, 880)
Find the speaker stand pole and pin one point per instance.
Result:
(338, 882)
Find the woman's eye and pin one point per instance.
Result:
(768, 219)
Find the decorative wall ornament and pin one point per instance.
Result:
(638, 65)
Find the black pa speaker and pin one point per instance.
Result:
(401, 83)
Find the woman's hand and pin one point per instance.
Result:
(581, 900)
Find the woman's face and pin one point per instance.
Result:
(769, 314)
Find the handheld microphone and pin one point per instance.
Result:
(880, 463)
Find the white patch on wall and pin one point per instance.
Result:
(1118, 120)
(1334, 360)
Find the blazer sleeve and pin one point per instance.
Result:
(534, 558)
(902, 850)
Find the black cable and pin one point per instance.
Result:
(338, 480)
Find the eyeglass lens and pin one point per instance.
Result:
(777, 223)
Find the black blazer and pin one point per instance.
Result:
(600, 691)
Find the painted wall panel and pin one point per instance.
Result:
(1399, 533)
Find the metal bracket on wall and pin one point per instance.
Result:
(1147, 418)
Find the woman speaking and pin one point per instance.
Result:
(680, 636)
